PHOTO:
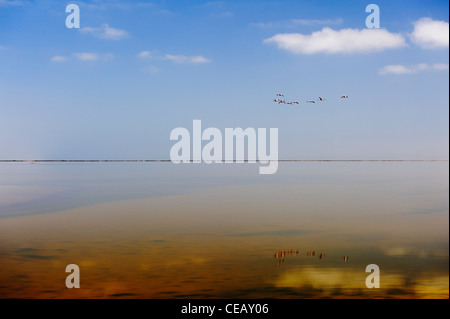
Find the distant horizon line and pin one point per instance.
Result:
(223, 161)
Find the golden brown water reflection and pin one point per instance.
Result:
(173, 231)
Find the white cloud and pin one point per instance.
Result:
(404, 69)
(90, 57)
(440, 66)
(7, 3)
(430, 34)
(342, 41)
(83, 56)
(196, 59)
(106, 32)
(199, 59)
(86, 56)
(186, 59)
(58, 58)
(145, 55)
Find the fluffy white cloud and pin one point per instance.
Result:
(342, 41)
(58, 58)
(404, 69)
(430, 34)
(106, 32)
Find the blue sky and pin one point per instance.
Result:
(116, 87)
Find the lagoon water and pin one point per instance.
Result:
(160, 230)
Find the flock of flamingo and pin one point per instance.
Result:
(280, 255)
(279, 99)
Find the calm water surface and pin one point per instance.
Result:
(159, 230)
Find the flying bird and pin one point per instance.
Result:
(295, 102)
